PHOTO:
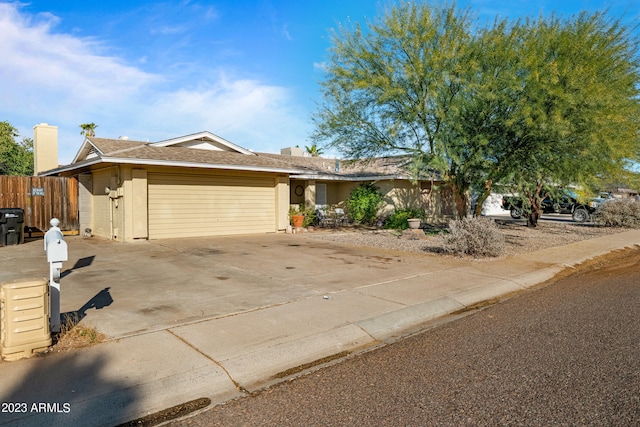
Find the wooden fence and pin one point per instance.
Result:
(42, 198)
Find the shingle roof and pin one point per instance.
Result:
(396, 166)
(97, 150)
(110, 145)
(143, 151)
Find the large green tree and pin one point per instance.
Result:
(573, 117)
(16, 157)
(530, 103)
(389, 87)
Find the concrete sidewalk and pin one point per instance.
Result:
(192, 318)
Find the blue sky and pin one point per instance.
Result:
(247, 71)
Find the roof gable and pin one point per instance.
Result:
(203, 141)
(93, 147)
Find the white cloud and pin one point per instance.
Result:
(320, 66)
(35, 59)
(246, 112)
(167, 29)
(286, 33)
(64, 80)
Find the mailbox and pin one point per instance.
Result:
(57, 252)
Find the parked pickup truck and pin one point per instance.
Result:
(566, 203)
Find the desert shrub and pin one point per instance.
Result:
(618, 213)
(398, 220)
(477, 237)
(363, 204)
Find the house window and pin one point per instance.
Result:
(321, 196)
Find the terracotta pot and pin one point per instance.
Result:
(297, 220)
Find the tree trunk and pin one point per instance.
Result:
(536, 211)
(486, 192)
(462, 201)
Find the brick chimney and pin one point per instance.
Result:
(45, 148)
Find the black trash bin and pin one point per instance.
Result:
(11, 226)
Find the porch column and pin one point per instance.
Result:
(282, 202)
(310, 194)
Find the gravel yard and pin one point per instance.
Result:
(518, 237)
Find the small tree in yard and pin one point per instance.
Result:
(363, 204)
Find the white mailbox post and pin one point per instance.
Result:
(56, 249)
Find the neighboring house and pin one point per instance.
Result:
(204, 185)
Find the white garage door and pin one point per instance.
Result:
(210, 205)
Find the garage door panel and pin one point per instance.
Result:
(202, 205)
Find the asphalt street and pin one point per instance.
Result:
(564, 353)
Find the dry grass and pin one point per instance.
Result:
(73, 335)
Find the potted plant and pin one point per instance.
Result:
(296, 216)
(300, 217)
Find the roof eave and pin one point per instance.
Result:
(345, 177)
(71, 167)
(150, 162)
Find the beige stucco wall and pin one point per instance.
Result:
(399, 194)
(107, 216)
(249, 201)
(438, 201)
(85, 202)
(126, 213)
(282, 202)
(434, 198)
(337, 192)
(134, 200)
(197, 202)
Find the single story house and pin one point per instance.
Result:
(204, 185)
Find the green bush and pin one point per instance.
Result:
(476, 236)
(398, 220)
(363, 204)
(618, 213)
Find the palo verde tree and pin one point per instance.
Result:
(16, 157)
(577, 118)
(535, 103)
(482, 143)
(389, 88)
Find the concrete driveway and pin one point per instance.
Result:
(124, 289)
(221, 317)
